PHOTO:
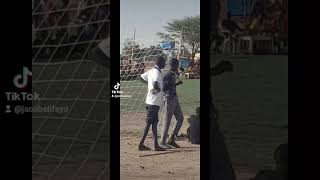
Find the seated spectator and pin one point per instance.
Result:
(134, 67)
(193, 132)
(142, 67)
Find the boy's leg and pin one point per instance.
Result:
(154, 110)
(146, 129)
(179, 118)
(145, 133)
(155, 133)
(167, 116)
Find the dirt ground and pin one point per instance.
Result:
(173, 164)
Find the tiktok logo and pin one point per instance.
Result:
(116, 87)
(21, 80)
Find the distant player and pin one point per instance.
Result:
(154, 101)
(171, 104)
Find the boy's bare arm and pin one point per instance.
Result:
(179, 83)
(156, 88)
(142, 80)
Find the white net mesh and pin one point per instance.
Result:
(135, 60)
(72, 143)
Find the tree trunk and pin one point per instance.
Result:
(193, 55)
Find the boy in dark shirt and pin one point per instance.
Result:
(171, 104)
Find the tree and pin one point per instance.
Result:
(133, 50)
(189, 28)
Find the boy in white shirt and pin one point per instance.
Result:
(154, 100)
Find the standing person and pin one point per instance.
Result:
(154, 100)
(171, 104)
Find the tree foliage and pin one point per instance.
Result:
(134, 51)
(189, 28)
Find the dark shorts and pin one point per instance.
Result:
(152, 113)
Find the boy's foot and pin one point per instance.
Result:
(174, 144)
(143, 148)
(158, 148)
(166, 146)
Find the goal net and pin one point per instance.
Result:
(70, 130)
(137, 58)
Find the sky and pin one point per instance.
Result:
(149, 16)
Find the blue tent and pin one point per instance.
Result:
(184, 62)
(167, 45)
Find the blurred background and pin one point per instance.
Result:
(253, 99)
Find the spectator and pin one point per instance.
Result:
(135, 68)
(142, 67)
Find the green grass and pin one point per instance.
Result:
(253, 104)
(189, 96)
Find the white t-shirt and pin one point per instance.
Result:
(151, 76)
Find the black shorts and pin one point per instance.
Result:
(152, 113)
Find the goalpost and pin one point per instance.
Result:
(73, 144)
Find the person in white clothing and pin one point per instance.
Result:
(154, 100)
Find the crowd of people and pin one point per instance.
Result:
(74, 25)
(268, 17)
(131, 69)
(194, 69)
